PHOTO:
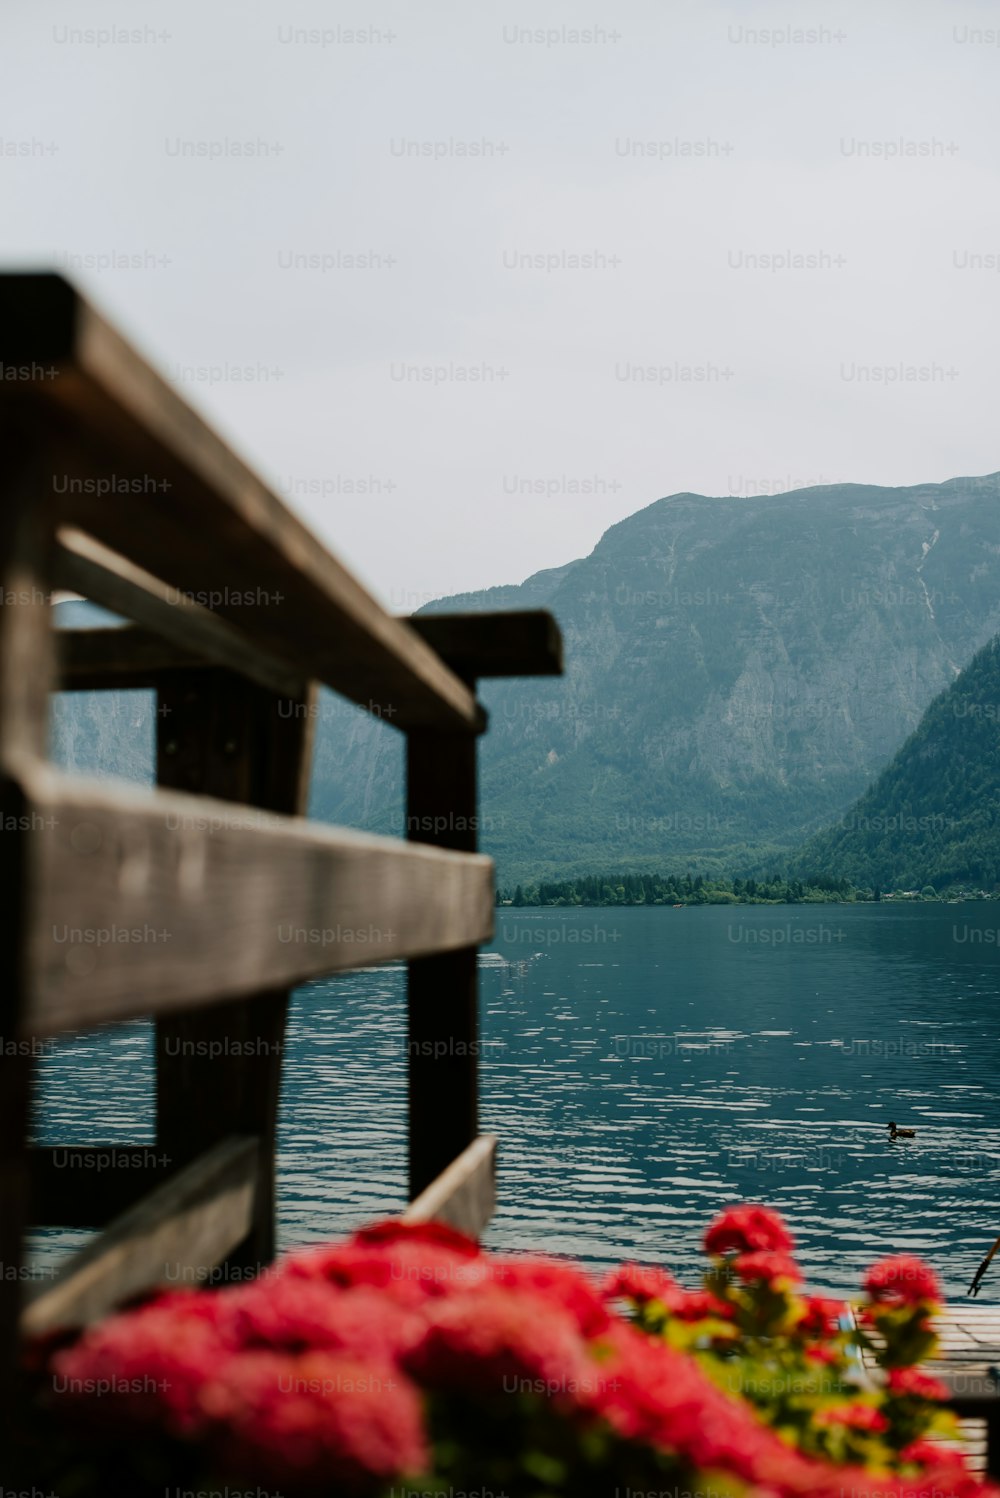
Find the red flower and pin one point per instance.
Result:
(857, 1416)
(931, 1454)
(747, 1229)
(316, 1419)
(767, 1266)
(944, 1474)
(435, 1234)
(696, 1305)
(640, 1283)
(179, 1364)
(910, 1381)
(821, 1316)
(411, 1263)
(294, 1314)
(819, 1354)
(147, 1366)
(561, 1283)
(495, 1340)
(921, 1452)
(650, 1392)
(902, 1280)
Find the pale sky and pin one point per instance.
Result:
(670, 142)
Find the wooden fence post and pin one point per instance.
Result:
(443, 991)
(442, 808)
(218, 1069)
(26, 666)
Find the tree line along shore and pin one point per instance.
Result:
(700, 889)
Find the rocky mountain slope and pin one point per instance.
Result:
(739, 669)
(933, 816)
(738, 672)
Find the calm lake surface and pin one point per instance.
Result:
(643, 1068)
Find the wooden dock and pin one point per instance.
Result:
(115, 488)
(968, 1363)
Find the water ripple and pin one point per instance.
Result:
(634, 1097)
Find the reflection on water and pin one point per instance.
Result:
(642, 1068)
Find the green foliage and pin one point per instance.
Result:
(794, 1357)
(680, 889)
(931, 821)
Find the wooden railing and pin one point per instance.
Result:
(113, 487)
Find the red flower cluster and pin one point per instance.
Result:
(747, 1230)
(767, 1266)
(911, 1381)
(821, 1316)
(902, 1280)
(319, 1376)
(855, 1416)
(641, 1284)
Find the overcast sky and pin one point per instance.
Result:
(477, 164)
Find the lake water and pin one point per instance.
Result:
(646, 1066)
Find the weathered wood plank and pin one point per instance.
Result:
(147, 901)
(125, 426)
(183, 1228)
(515, 642)
(84, 566)
(25, 679)
(126, 658)
(464, 1194)
(522, 643)
(218, 1069)
(26, 544)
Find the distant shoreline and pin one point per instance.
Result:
(890, 899)
(637, 890)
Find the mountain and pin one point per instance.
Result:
(933, 815)
(738, 672)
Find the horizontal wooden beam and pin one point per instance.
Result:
(128, 658)
(516, 642)
(464, 1196)
(85, 1186)
(145, 475)
(84, 566)
(178, 1233)
(146, 901)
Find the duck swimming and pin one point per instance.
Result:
(895, 1133)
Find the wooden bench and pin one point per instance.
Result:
(114, 488)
